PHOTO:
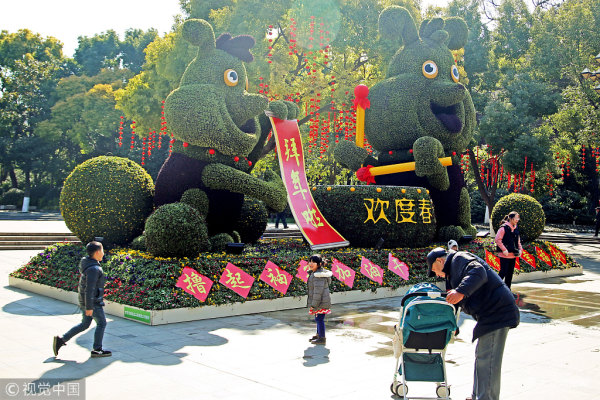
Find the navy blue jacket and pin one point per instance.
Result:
(91, 284)
(487, 299)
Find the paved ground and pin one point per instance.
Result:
(553, 354)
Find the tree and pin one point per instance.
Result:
(30, 67)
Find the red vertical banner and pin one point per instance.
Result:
(317, 231)
(518, 264)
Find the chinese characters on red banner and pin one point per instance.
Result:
(372, 271)
(302, 273)
(492, 260)
(342, 272)
(309, 219)
(275, 277)
(542, 255)
(398, 267)
(237, 280)
(194, 283)
(528, 258)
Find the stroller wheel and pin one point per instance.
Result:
(399, 389)
(442, 391)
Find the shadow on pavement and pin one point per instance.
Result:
(315, 355)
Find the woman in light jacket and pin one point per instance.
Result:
(319, 300)
(508, 241)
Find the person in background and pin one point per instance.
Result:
(597, 221)
(452, 245)
(509, 245)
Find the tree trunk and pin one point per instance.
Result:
(487, 198)
(13, 177)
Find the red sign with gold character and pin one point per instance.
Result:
(237, 280)
(529, 259)
(343, 272)
(275, 277)
(542, 255)
(518, 264)
(194, 283)
(492, 260)
(372, 271)
(559, 255)
(314, 227)
(398, 267)
(302, 273)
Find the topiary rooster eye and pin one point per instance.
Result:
(231, 77)
(430, 69)
(454, 73)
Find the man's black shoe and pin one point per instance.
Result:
(313, 338)
(101, 353)
(57, 343)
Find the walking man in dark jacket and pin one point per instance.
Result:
(91, 293)
(480, 292)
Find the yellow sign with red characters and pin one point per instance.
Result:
(317, 231)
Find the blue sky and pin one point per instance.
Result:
(68, 19)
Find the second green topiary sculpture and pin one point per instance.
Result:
(420, 112)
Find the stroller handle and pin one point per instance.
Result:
(420, 294)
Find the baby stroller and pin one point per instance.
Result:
(427, 324)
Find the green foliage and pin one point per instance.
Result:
(363, 215)
(196, 198)
(253, 220)
(13, 197)
(176, 230)
(139, 243)
(108, 197)
(141, 280)
(220, 240)
(532, 217)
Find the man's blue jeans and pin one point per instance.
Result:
(98, 316)
(488, 365)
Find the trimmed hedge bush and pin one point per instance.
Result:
(108, 197)
(364, 214)
(253, 220)
(532, 217)
(176, 230)
(13, 197)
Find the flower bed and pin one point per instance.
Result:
(138, 279)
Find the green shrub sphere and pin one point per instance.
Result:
(532, 217)
(176, 230)
(108, 197)
(253, 220)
